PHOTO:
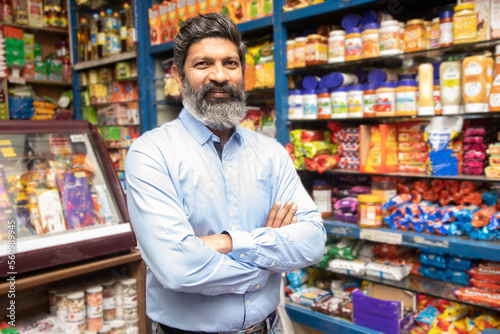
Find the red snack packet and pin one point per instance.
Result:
(326, 162)
(483, 217)
(420, 186)
(417, 196)
(466, 187)
(405, 189)
(310, 164)
(311, 135)
(452, 185)
(445, 197)
(473, 198)
(487, 274)
(290, 148)
(485, 285)
(437, 185)
(431, 195)
(457, 198)
(478, 296)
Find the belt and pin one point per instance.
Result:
(260, 328)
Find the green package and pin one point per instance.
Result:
(123, 70)
(40, 70)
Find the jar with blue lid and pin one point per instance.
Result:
(295, 104)
(338, 98)
(355, 101)
(310, 104)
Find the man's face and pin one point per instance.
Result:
(213, 83)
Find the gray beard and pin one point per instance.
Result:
(215, 113)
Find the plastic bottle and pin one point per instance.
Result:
(450, 74)
(464, 24)
(446, 28)
(336, 46)
(427, 25)
(355, 101)
(324, 106)
(337, 79)
(490, 64)
(369, 100)
(378, 76)
(435, 34)
(295, 104)
(338, 98)
(353, 44)
(370, 39)
(389, 39)
(94, 55)
(101, 36)
(300, 51)
(83, 40)
(436, 96)
(118, 24)
(415, 36)
(386, 99)
(425, 90)
(495, 88)
(406, 98)
(475, 84)
(310, 104)
(125, 18)
(112, 34)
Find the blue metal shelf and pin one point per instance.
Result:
(323, 322)
(161, 49)
(458, 246)
(323, 8)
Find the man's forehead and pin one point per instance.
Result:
(210, 46)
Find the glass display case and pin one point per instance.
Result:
(60, 197)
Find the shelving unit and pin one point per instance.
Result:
(105, 61)
(29, 28)
(49, 83)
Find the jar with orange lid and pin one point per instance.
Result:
(406, 98)
(464, 24)
(300, 51)
(353, 44)
(314, 50)
(369, 211)
(415, 36)
(290, 54)
(370, 39)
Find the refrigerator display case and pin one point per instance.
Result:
(60, 198)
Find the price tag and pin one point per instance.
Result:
(77, 138)
(433, 243)
(381, 236)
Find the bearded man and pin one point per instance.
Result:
(219, 211)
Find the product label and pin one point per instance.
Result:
(76, 317)
(295, 108)
(336, 49)
(94, 311)
(323, 200)
(93, 39)
(370, 215)
(435, 38)
(472, 88)
(290, 55)
(369, 101)
(495, 18)
(385, 102)
(129, 302)
(300, 56)
(464, 28)
(446, 33)
(313, 52)
(101, 38)
(353, 47)
(355, 105)
(473, 68)
(324, 107)
(109, 303)
(414, 40)
(370, 45)
(406, 101)
(339, 106)
(123, 32)
(451, 84)
(436, 96)
(389, 41)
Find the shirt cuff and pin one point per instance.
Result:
(244, 249)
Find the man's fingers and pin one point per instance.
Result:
(272, 214)
(278, 220)
(289, 218)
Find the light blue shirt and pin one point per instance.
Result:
(178, 188)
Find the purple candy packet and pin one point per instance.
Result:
(348, 204)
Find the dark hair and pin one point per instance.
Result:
(212, 25)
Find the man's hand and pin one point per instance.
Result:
(221, 243)
(279, 218)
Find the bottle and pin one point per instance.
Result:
(464, 24)
(355, 101)
(290, 54)
(406, 98)
(117, 28)
(94, 55)
(369, 211)
(353, 44)
(415, 36)
(425, 90)
(295, 104)
(101, 36)
(300, 51)
(112, 34)
(450, 74)
(495, 88)
(435, 34)
(475, 84)
(446, 28)
(386, 99)
(369, 100)
(129, 24)
(436, 96)
(83, 39)
(322, 196)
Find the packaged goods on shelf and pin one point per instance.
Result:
(378, 148)
(263, 54)
(261, 119)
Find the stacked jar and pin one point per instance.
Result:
(93, 296)
(369, 100)
(62, 305)
(118, 327)
(415, 36)
(370, 38)
(130, 299)
(389, 40)
(406, 98)
(290, 54)
(353, 44)
(76, 309)
(295, 104)
(355, 101)
(106, 329)
(386, 99)
(324, 105)
(119, 299)
(338, 99)
(310, 104)
(336, 46)
(446, 28)
(52, 301)
(300, 52)
(108, 300)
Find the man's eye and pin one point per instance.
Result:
(201, 64)
(232, 63)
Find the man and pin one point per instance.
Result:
(205, 199)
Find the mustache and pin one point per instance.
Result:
(213, 87)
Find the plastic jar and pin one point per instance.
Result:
(436, 96)
(378, 76)
(389, 39)
(370, 40)
(117, 327)
(355, 101)
(61, 305)
(386, 99)
(310, 82)
(76, 309)
(435, 34)
(52, 301)
(93, 296)
(338, 99)
(415, 36)
(369, 100)
(324, 50)
(300, 51)
(369, 211)
(350, 21)
(324, 106)
(446, 28)
(337, 79)
(353, 44)
(295, 104)
(385, 187)
(310, 104)
(336, 46)
(290, 54)
(108, 300)
(322, 195)
(427, 25)
(402, 27)
(406, 98)
(129, 292)
(314, 47)
(464, 24)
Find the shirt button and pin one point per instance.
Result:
(242, 256)
(231, 198)
(257, 286)
(248, 303)
(273, 264)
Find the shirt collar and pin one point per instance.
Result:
(199, 131)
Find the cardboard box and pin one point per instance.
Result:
(130, 91)
(38, 52)
(133, 112)
(40, 70)
(93, 77)
(105, 75)
(122, 70)
(29, 70)
(35, 13)
(29, 54)
(483, 18)
(378, 148)
(29, 40)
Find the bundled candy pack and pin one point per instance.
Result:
(412, 149)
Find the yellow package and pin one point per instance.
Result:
(40, 111)
(41, 117)
(263, 53)
(44, 105)
(228, 10)
(249, 72)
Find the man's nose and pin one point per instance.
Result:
(218, 73)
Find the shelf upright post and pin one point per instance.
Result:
(281, 81)
(73, 30)
(145, 66)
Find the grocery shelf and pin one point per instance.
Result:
(134, 78)
(322, 322)
(396, 61)
(160, 49)
(49, 83)
(108, 103)
(457, 246)
(105, 61)
(460, 177)
(38, 29)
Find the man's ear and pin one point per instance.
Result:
(177, 77)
